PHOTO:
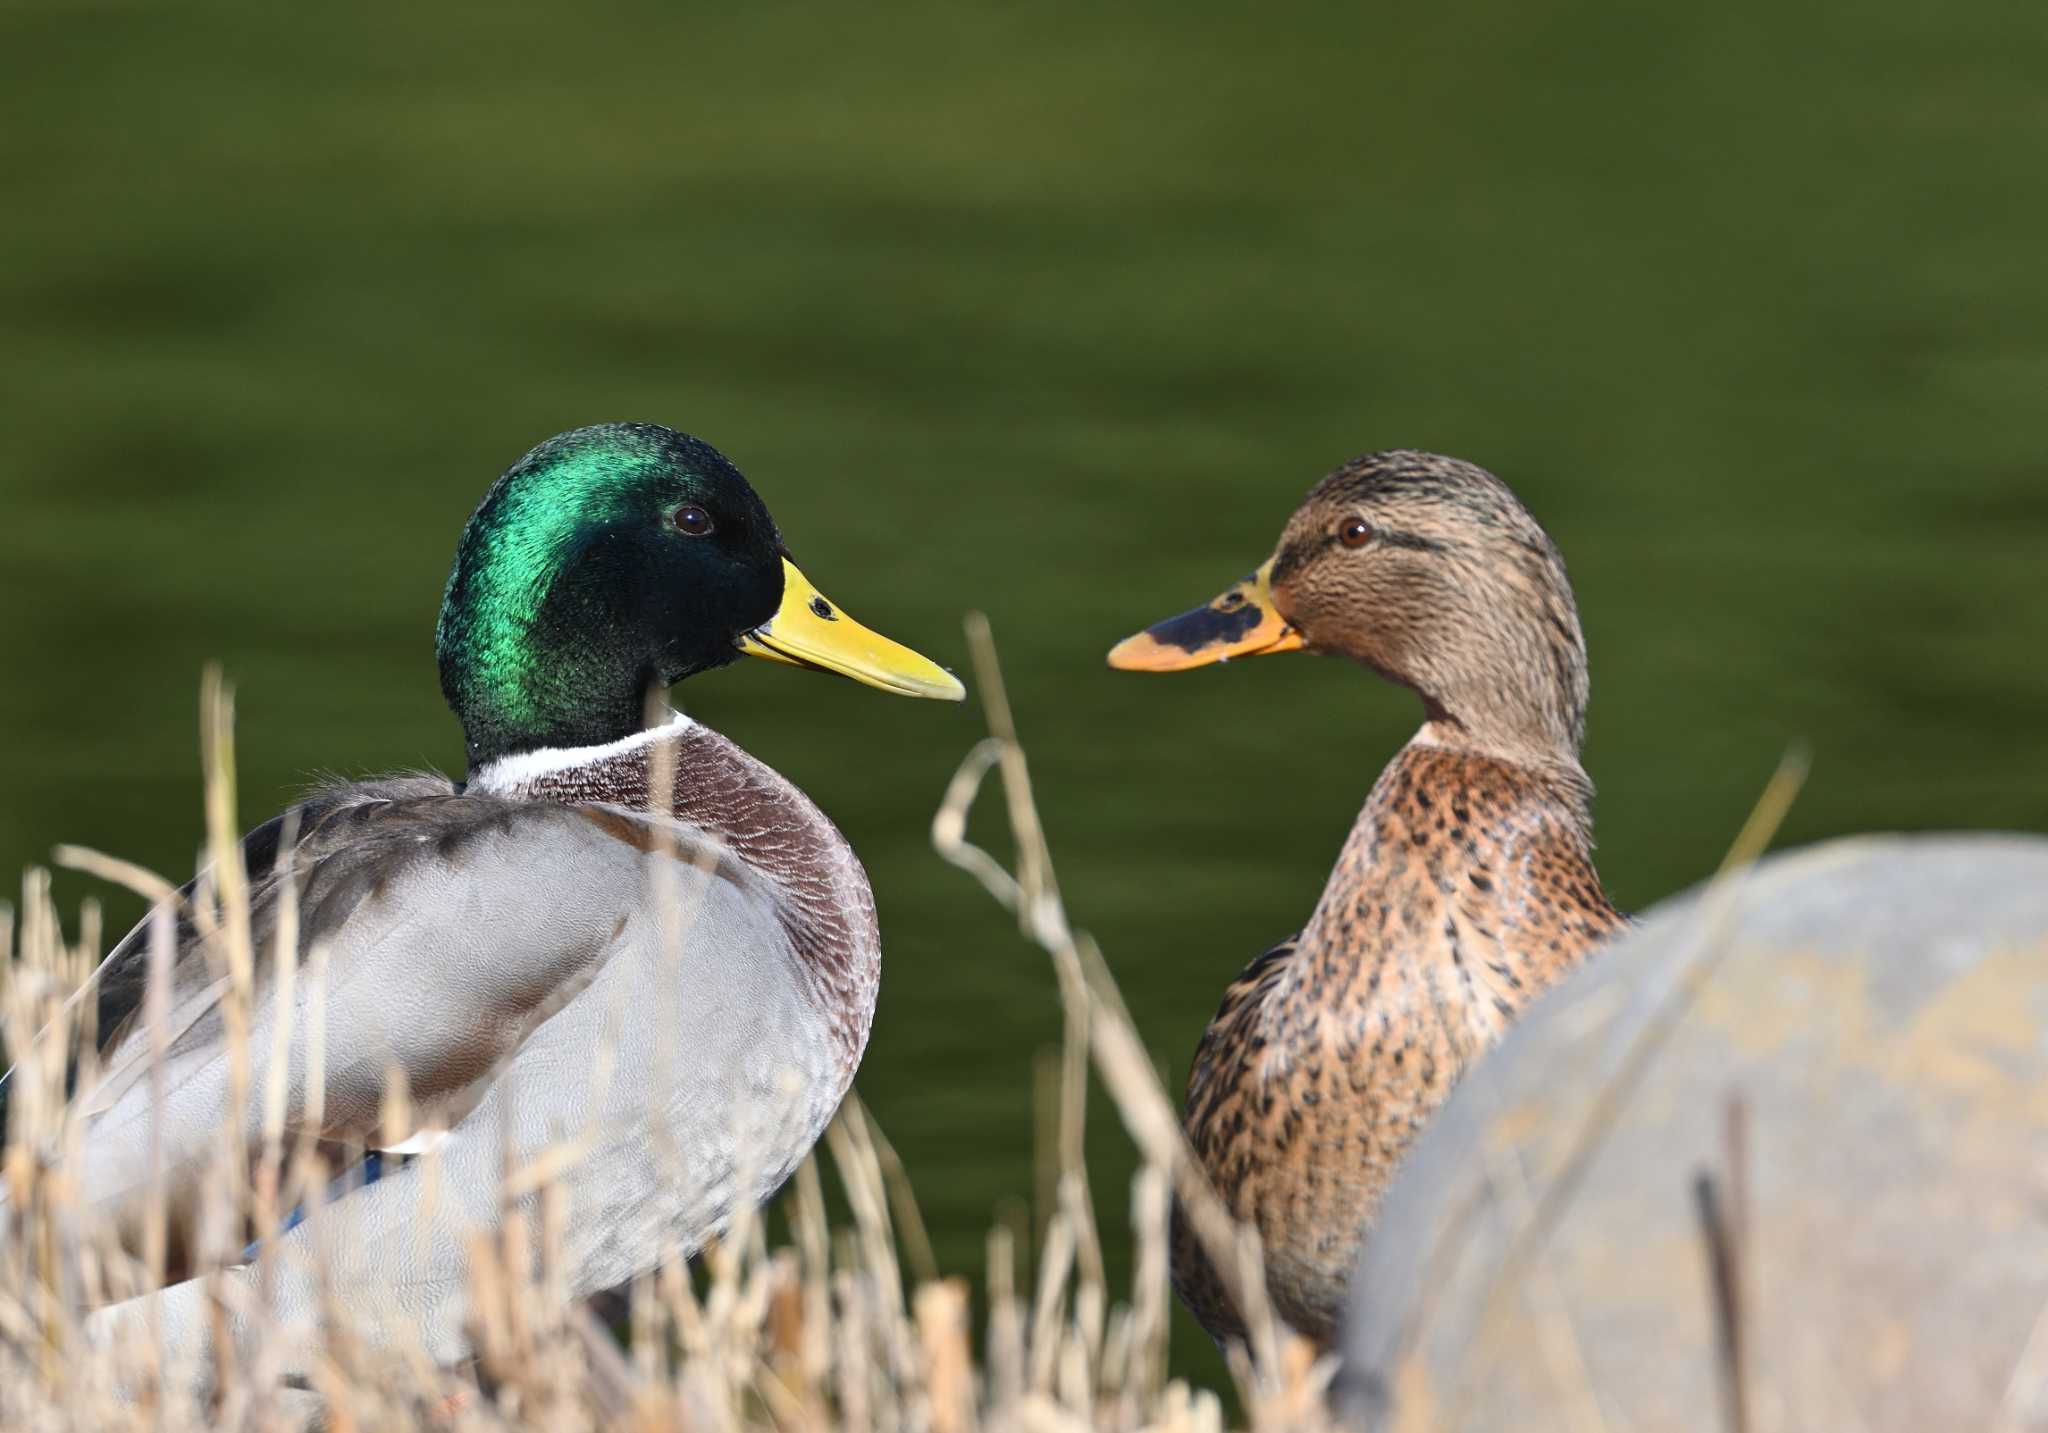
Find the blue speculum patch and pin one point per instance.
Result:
(355, 1177)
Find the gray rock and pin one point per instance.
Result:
(1861, 1080)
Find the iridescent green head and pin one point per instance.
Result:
(617, 558)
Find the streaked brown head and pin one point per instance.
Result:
(1427, 570)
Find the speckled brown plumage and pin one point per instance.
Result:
(1463, 891)
(1466, 886)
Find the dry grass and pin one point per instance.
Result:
(826, 1332)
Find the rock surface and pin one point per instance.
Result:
(1861, 1078)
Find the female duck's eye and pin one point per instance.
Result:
(1356, 532)
(693, 520)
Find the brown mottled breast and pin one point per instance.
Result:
(1465, 888)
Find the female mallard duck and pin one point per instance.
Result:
(489, 938)
(1465, 888)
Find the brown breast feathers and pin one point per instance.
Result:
(1465, 888)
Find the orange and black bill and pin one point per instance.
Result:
(1243, 622)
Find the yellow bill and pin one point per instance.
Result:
(808, 631)
(1243, 622)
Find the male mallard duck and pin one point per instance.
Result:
(490, 937)
(1465, 888)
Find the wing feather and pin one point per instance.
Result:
(453, 925)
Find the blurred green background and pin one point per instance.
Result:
(1053, 310)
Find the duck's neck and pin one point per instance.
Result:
(522, 688)
(1512, 685)
(613, 771)
(1535, 725)
(1467, 881)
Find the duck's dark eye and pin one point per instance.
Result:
(1356, 532)
(693, 520)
